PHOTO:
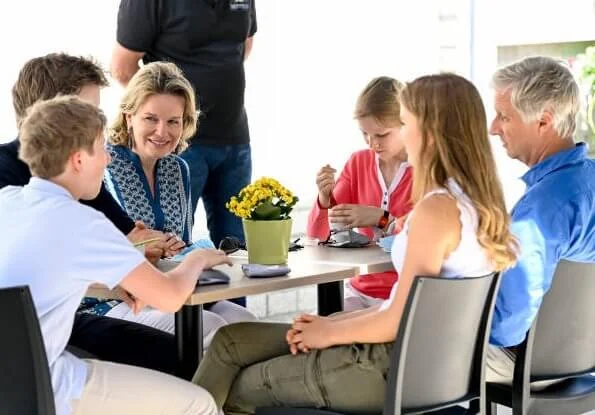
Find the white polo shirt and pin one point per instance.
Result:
(57, 247)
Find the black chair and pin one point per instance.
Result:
(25, 386)
(438, 357)
(559, 345)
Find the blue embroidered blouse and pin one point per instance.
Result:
(169, 210)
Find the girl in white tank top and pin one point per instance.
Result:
(468, 259)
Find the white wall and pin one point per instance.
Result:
(486, 35)
(30, 28)
(309, 62)
(308, 65)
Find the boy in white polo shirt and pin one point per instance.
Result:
(59, 246)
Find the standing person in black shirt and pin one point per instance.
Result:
(209, 40)
(106, 338)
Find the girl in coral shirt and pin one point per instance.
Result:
(374, 189)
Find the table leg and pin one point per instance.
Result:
(330, 298)
(189, 334)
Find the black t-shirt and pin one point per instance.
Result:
(205, 38)
(14, 172)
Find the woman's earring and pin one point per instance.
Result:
(130, 138)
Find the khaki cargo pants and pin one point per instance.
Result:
(248, 365)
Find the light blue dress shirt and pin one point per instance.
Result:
(554, 220)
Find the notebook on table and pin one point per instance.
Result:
(212, 277)
(207, 277)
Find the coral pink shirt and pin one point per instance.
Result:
(361, 183)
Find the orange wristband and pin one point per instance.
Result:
(383, 221)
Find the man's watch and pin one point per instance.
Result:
(383, 221)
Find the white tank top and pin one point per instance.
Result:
(468, 259)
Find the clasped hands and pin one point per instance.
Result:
(309, 332)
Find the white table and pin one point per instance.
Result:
(369, 259)
(189, 330)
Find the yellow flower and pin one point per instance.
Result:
(264, 190)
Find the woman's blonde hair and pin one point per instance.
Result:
(455, 145)
(380, 99)
(154, 79)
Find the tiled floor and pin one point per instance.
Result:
(283, 305)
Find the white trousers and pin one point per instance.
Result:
(356, 300)
(500, 368)
(222, 313)
(113, 388)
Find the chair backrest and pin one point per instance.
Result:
(563, 335)
(439, 353)
(25, 385)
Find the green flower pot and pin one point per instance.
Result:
(267, 241)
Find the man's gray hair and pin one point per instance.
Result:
(539, 84)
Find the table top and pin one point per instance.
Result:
(303, 272)
(368, 259)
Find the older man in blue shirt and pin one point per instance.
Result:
(536, 102)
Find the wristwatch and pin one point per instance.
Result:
(383, 221)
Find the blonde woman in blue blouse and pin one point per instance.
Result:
(157, 117)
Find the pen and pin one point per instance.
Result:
(145, 242)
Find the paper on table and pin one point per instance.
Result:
(263, 271)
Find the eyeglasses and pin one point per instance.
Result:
(330, 240)
(295, 246)
(231, 244)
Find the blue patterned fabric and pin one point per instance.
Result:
(169, 210)
(97, 306)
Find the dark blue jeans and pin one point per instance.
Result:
(216, 174)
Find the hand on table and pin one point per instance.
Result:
(172, 244)
(355, 216)
(211, 257)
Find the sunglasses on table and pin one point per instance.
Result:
(231, 244)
